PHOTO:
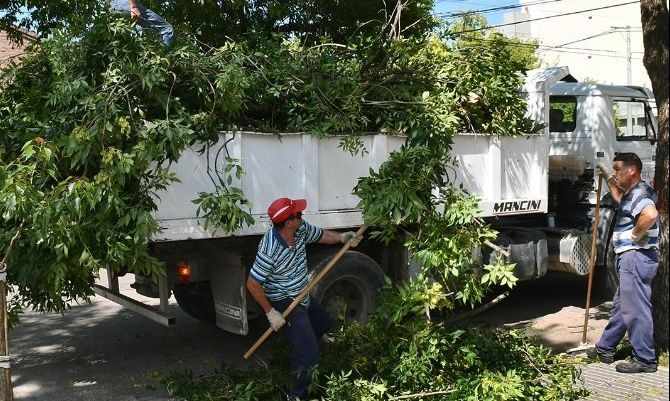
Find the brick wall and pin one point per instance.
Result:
(11, 51)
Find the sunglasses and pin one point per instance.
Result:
(295, 216)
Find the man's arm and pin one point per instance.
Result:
(274, 317)
(606, 174)
(615, 191)
(645, 220)
(330, 237)
(256, 290)
(333, 237)
(135, 13)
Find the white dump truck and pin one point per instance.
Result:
(537, 190)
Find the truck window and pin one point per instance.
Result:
(562, 113)
(630, 120)
(651, 123)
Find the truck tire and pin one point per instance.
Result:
(196, 300)
(348, 291)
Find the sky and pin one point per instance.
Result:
(494, 17)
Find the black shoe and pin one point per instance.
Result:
(594, 354)
(634, 367)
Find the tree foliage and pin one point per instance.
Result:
(91, 122)
(217, 22)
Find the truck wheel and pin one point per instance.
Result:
(196, 300)
(348, 291)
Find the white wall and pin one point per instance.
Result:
(604, 57)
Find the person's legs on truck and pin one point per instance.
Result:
(149, 19)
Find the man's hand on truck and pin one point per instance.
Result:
(351, 237)
(276, 319)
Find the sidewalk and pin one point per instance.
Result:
(606, 384)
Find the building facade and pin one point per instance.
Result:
(11, 51)
(602, 45)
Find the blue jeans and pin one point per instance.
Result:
(632, 307)
(149, 19)
(303, 329)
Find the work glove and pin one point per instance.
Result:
(276, 319)
(350, 237)
(603, 171)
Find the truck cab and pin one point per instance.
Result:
(596, 122)
(588, 124)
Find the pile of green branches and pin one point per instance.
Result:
(403, 356)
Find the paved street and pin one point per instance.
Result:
(102, 352)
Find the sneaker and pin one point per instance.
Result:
(594, 353)
(634, 367)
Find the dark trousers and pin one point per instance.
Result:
(303, 329)
(632, 306)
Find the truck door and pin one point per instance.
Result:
(635, 131)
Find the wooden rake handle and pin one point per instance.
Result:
(306, 291)
(592, 260)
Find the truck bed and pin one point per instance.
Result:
(509, 175)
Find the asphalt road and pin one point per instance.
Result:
(100, 351)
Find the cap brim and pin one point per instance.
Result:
(299, 205)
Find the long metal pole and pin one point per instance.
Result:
(305, 292)
(629, 57)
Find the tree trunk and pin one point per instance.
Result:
(655, 35)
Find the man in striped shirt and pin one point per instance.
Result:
(279, 275)
(635, 241)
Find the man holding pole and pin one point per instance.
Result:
(279, 275)
(635, 241)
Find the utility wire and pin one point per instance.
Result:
(545, 48)
(577, 51)
(521, 43)
(486, 10)
(612, 30)
(543, 18)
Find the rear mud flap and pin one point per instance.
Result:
(229, 291)
(531, 258)
(524, 257)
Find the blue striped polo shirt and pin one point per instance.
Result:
(632, 203)
(282, 269)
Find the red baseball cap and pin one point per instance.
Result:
(282, 208)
